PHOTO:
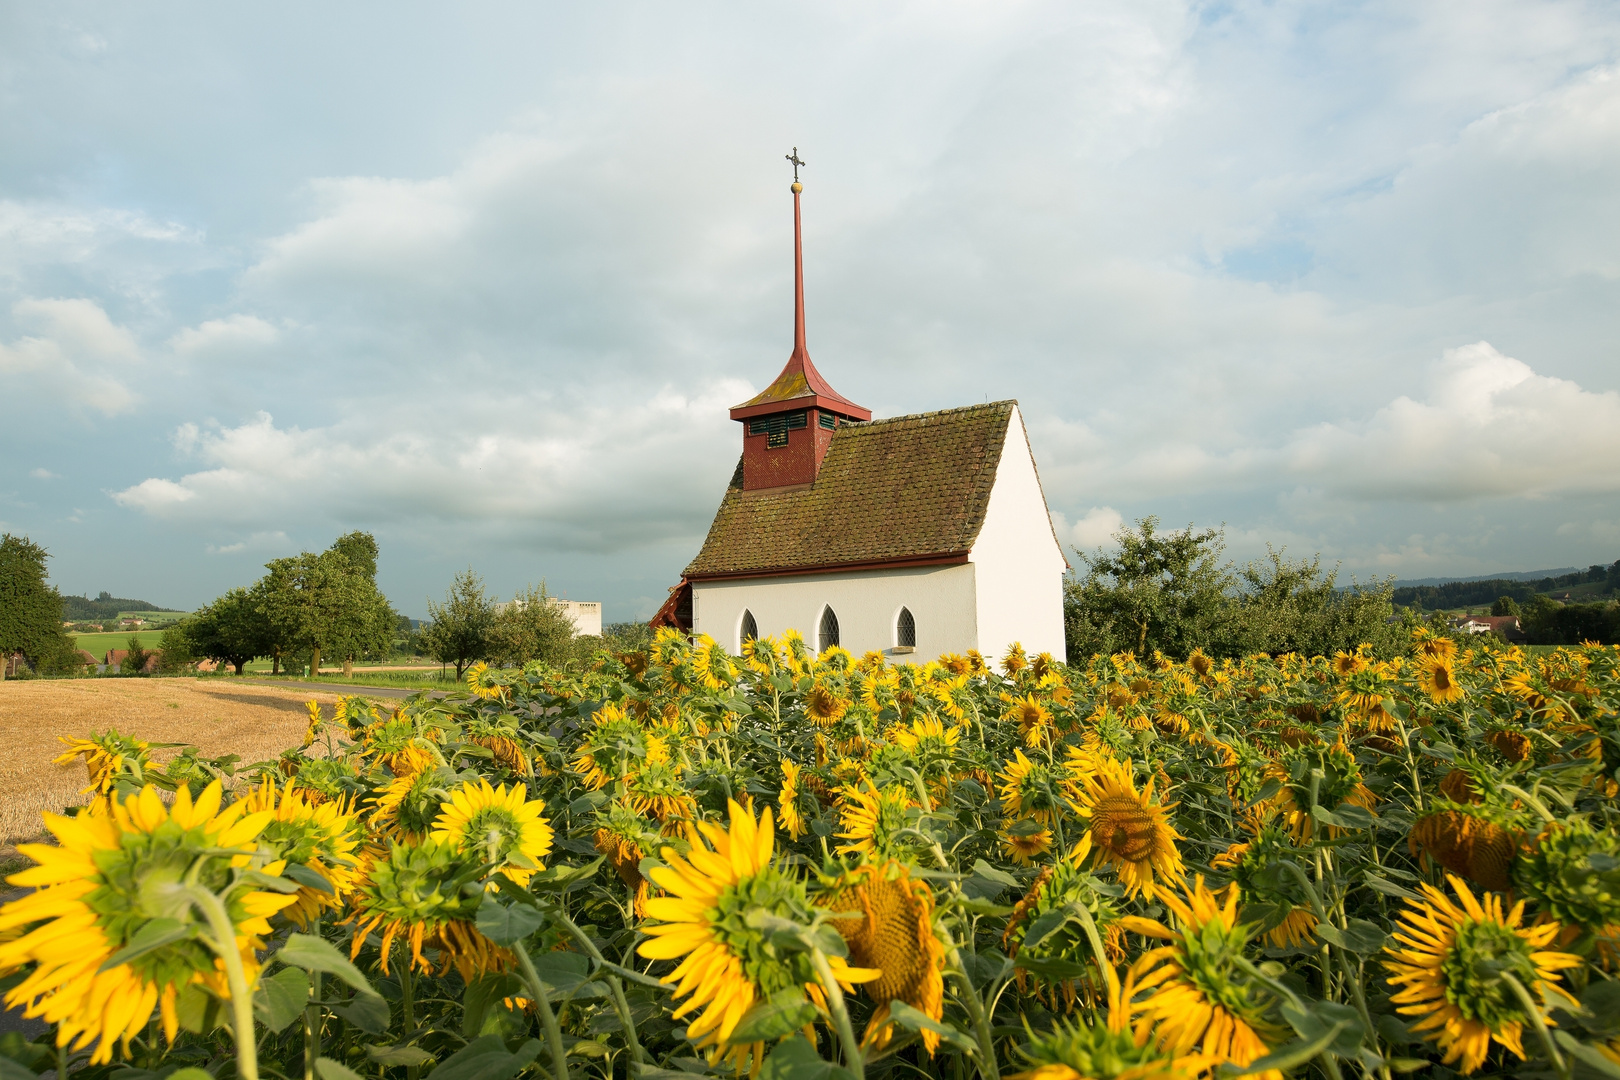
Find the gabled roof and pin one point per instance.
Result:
(907, 489)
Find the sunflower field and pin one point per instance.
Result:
(682, 863)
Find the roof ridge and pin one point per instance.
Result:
(982, 406)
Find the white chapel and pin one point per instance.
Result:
(913, 536)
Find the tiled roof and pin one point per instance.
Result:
(904, 488)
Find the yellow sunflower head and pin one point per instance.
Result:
(107, 755)
(1129, 829)
(1025, 841)
(714, 669)
(825, 705)
(873, 819)
(1437, 679)
(484, 682)
(1201, 994)
(1104, 1047)
(497, 826)
(709, 921)
(891, 930)
(1028, 789)
(1447, 962)
(788, 800)
(1033, 719)
(319, 836)
(112, 872)
(405, 808)
(418, 894)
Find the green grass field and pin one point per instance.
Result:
(98, 644)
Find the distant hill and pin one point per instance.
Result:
(104, 606)
(1506, 575)
(1594, 583)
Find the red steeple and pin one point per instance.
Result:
(788, 426)
(800, 384)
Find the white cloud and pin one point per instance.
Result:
(1095, 529)
(73, 356)
(44, 474)
(600, 478)
(1489, 427)
(222, 338)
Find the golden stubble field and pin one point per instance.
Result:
(256, 722)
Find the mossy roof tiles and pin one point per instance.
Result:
(909, 487)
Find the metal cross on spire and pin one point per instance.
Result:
(794, 158)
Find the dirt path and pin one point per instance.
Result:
(257, 722)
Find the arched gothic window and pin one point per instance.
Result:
(905, 629)
(829, 629)
(748, 631)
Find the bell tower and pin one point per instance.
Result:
(789, 425)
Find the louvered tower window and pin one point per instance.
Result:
(749, 630)
(829, 629)
(775, 428)
(905, 630)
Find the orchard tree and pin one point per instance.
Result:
(1164, 591)
(329, 603)
(31, 609)
(531, 627)
(232, 630)
(460, 627)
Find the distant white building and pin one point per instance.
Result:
(914, 536)
(586, 614)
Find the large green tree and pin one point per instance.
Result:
(31, 609)
(328, 604)
(531, 627)
(1157, 591)
(232, 630)
(458, 630)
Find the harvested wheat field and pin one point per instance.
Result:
(256, 722)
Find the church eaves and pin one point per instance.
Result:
(906, 490)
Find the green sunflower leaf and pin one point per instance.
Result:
(783, 1012)
(316, 954)
(281, 998)
(486, 1058)
(914, 1019)
(155, 934)
(507, 924)
(307, 877)
(327, 1069)
(796, 1059)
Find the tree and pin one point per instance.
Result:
(458, 631)
(1505, 605)
(134, 662)
(175, 652)
(531, 627)
(329, 603)
(1159, 591)
(232, 630)
(1286, 606)
(31, 609)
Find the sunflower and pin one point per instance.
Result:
(714, 669)
(1346, 664)
(1201, 996)
(117, 868)
(729, 963)
(1028, 789)
(1200, 664)
(497, 826)
(485, 683)
(405, 808)
(1106, 1048)
(872, 818)
(1448, 961)
(1129, 830)
(314, 709)
(825, 706)
(104, 756)
(1063, 887)
(318, 836)
(760, 655)
(1015, 660)
(415, 893)
(1026, 841)
(623, 836)
(1340, 783)
(895, 936)
(787, 800)
(1467, 841)
(658, 789)
(1034, 720)
(1572, 871)
(1436, 678)
(1515, 746)
(396, 744)
(1430, 645)
(615, 743)
(1250, 865)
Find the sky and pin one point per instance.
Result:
(484, 279)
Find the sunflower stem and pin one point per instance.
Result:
(1534, 1013)
(1535, 804)
(312, 1017)
(223, 942)
(975, 1008)
(548, 1019)
(614, 982)
(1109, 975)
(835, 1005)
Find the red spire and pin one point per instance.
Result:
(800, 384)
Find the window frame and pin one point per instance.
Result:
(902, 631)
(747, 629)
(822, 644)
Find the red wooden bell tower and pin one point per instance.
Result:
(788, 427)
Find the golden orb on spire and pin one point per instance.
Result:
(797, 187)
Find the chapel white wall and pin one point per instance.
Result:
(1019, 566)
(867, 603)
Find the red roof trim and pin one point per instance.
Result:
(954, 558)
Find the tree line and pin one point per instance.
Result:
(1171, 592)
(1456, 594)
